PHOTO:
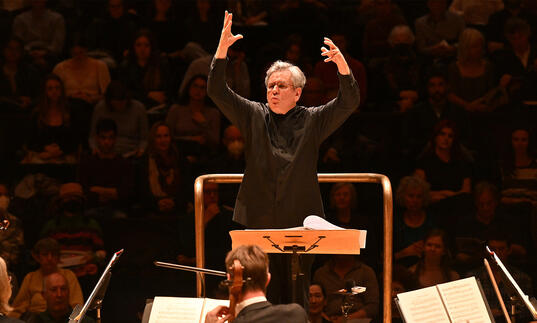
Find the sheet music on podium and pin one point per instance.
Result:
(182, 309)
(453, 302)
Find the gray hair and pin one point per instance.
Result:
(411, 182)
(297, 76)
(468, 37)
(401, 30)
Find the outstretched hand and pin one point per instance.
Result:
(226, 38)
(334, 55)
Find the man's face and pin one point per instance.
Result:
(142, 48)
(282, 96)
(106, 141)
(437, 89)
(115, 8)
(518, 40)
(486, 206)
(53, 89)
(56, 293)
(520, 141)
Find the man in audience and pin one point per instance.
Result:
(56, 294)
(30, 299)
(252, 304)
(494, 32)
(107, 178)
(336, 274)
(438, 32)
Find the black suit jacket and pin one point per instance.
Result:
(265, 312)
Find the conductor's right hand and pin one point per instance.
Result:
(226, 38)
(218, 315)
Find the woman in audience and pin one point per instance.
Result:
(519, 169)
(167, 173)
(52, 139)
(412, 196)
(5, 294)
(471, 77)
(195, 125)
(434, 266)
(130, 117)
(145, 72)
(317, 302)
(17, 78)
(85, 78)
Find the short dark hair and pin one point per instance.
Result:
(116, 90)
(516, 25)
(46, 245)
(255, 263)
(105, 125)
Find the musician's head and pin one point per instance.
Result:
(284, 83)
(256, 267)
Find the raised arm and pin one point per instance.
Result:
(334, 55)
(226, 38)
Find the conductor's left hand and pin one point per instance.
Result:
(333, 54)
(218, 315)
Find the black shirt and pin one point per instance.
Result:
(280, 186)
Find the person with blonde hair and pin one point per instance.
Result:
(5, 294)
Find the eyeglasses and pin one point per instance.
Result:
(281, 86)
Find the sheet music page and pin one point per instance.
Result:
(463, 301)
(423, 306)
(210, 304)
(176, 310)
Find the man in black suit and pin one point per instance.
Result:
(252, 304)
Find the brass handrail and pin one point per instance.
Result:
(323, 178)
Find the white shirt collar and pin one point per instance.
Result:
(239, 307)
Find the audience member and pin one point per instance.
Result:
(130, 118)
(53, 138)
(434, 266)
(114, 32)
(46, 253)
(476, 13)
(252, 302)
(84, 78)
(438, 32)
(80, 236)
(166, 173)
(18, 79)
(42, 31)
(56, 294)
(328, 72)
(500, 244)
(317, 302)
(195, 125)
(419, 121)
(495, 31)
(336, 274)
(5, 294)
(412, 226)
(12, 238)
(106, 177)
(145, 72)
(471, 78)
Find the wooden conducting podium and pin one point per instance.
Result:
(317, 236)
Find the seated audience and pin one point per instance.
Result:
(252, 302)
(412, 224)
(42, 31)
(471, 78)
(5, 294)
(195, 125)
(499, 243)
(29, 299)
(218, 221)
(80, 236)
(56, 293)
(476, 13)
(53, 138)
(112, 33)
(106, 177)
(495, 31)
(84, 78)
(437, 33)
(18, 79)
(317, 302)
(145, 72)
(12, 238)
(130, 118)
(434, 266)
(336, 274)
(166, 173)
